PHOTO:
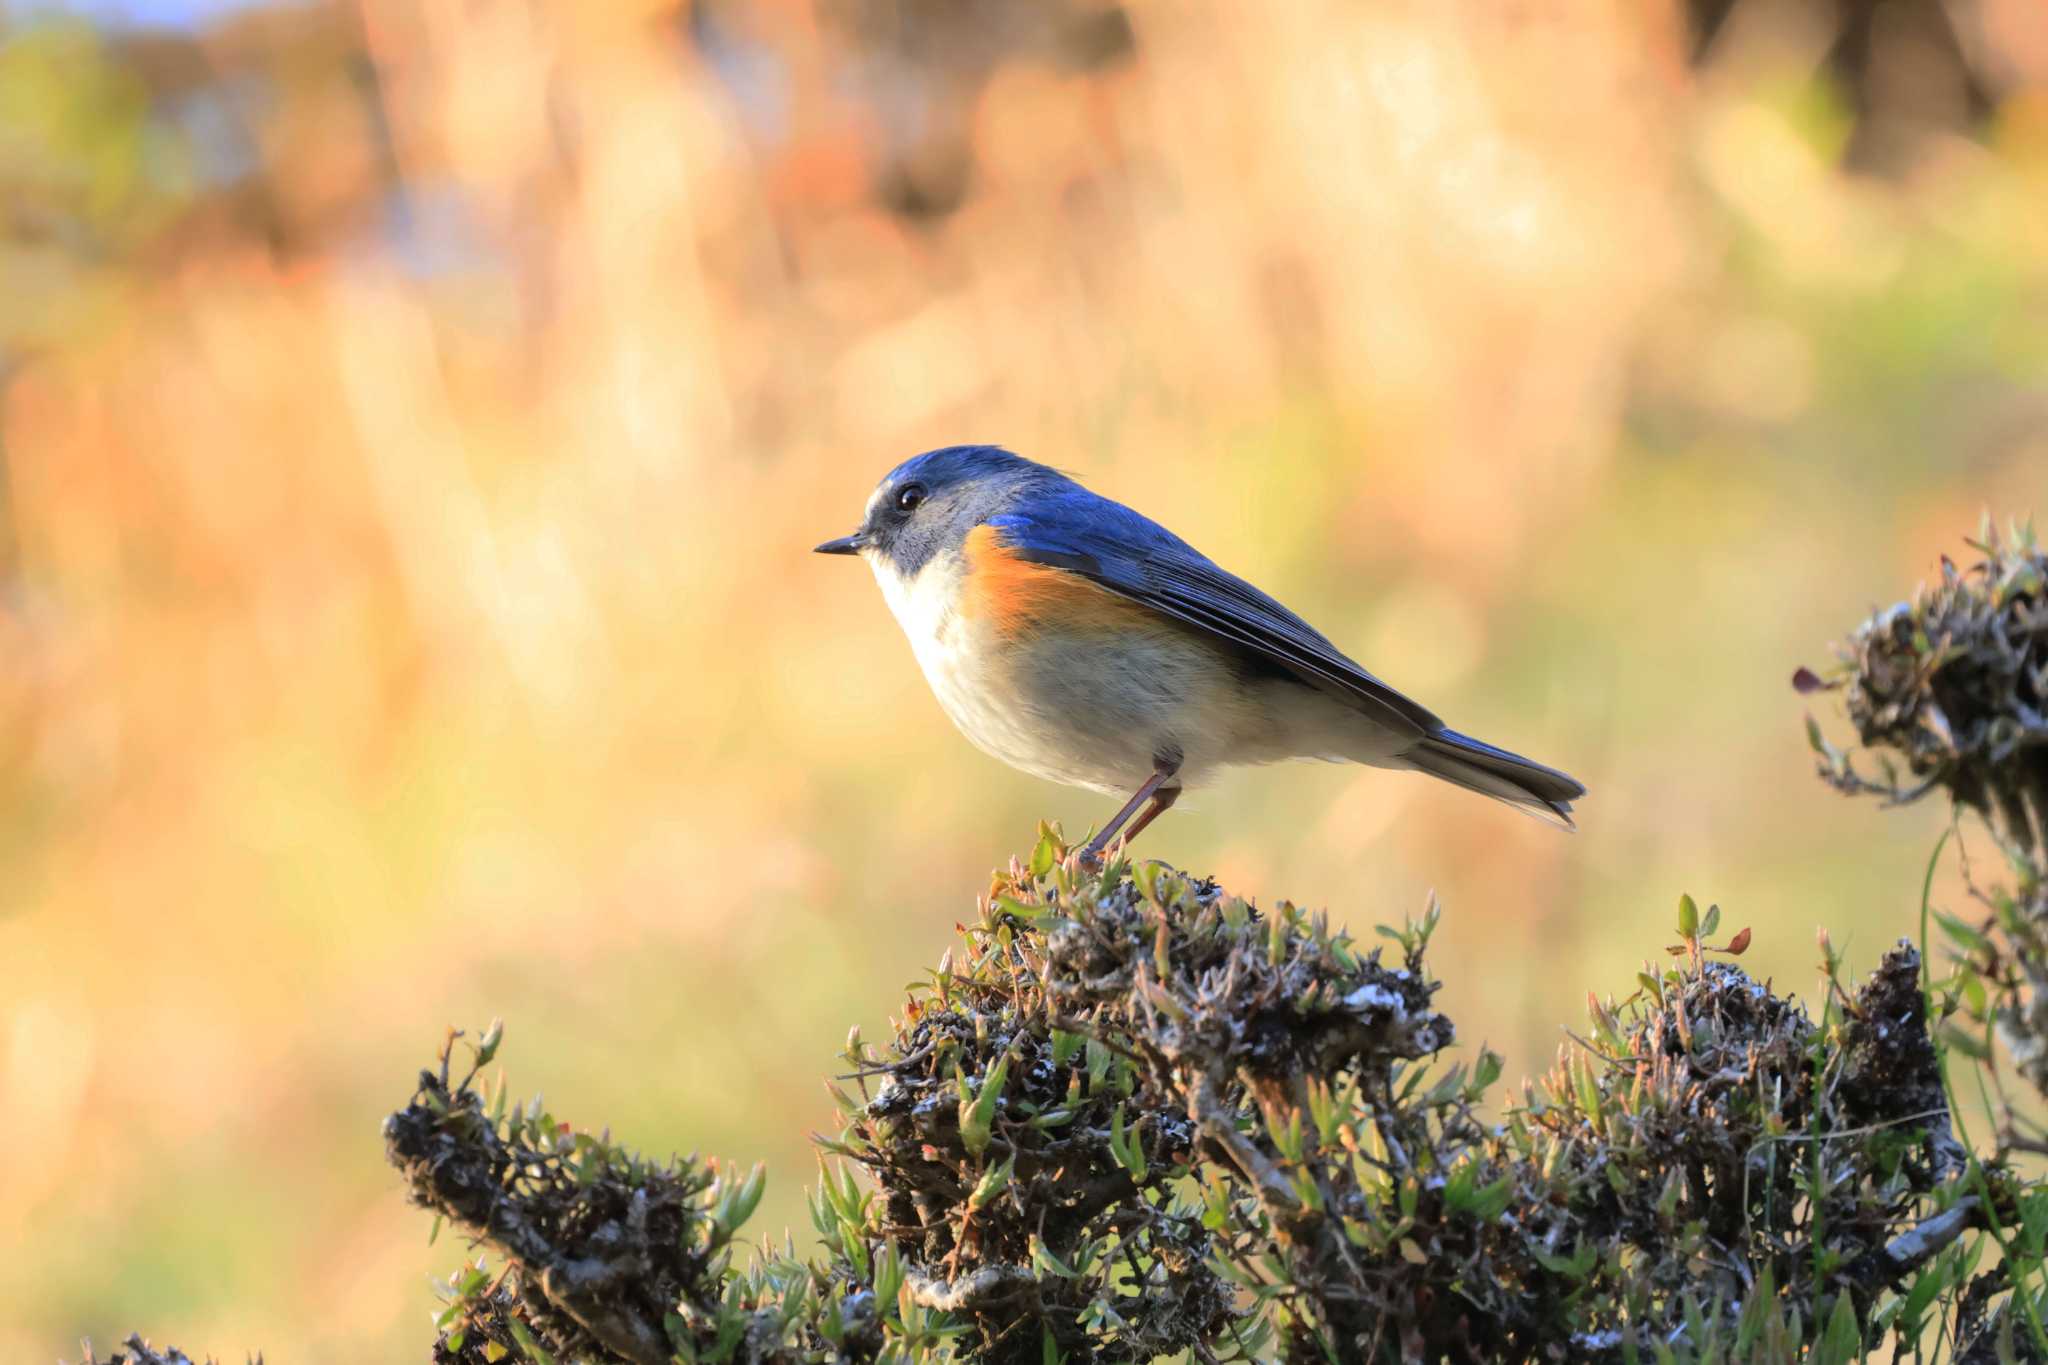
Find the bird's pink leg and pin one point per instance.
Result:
(1162, 801)
(1162, 773)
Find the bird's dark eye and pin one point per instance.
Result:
(909, 496)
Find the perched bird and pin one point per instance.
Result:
(1077, 640)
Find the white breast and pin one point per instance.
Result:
(973, 673)
(924, 607)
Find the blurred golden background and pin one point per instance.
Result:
(415, 420)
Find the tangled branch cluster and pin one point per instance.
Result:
(609, 1256)
(1029, 1185)
(1952, 686)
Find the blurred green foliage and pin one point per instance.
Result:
(89, 177)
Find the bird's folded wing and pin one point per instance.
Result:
(1137, 558)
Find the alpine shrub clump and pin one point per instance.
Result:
(608, 1256)
(1133, 1116)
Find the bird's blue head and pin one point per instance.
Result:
(930, 502)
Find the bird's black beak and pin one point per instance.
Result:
(845, 545)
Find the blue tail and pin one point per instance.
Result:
(1477, 766)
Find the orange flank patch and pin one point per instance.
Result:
(1015, 595)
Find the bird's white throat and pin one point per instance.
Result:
(924, 607)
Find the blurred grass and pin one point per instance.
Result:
(416, 420)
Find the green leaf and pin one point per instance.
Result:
(888, 1274)
(1034, 915)
(993, 1182)
(1458, 1189)
(1966, 937)
(1842, 1342)
(1098, 1064)
(1916, 1302)
(1968, 1044)
(733, 1204)
(1575, 1266)
(1688, 918)
(1486, 1070)
(533, 1349)
(1674, 1186)
(1146, 876)
(1492, 1201)
(487, 1046)
(1127, 1146)
(1042, 1257)
(977, 1116)
(1044, 855)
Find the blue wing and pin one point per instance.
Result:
(1137, 558)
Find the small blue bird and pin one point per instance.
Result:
(1079, 641)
